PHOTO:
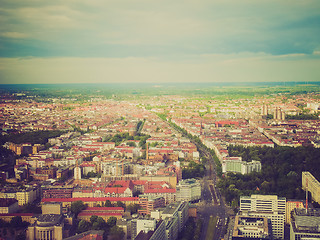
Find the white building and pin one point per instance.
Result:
(144, 225)
(269, 206)
(250, 227)
(235, 164)
(77, 173)
(188, 190)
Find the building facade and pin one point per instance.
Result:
(188, 190)
(270, 206)
(312, 184)
(246, 227)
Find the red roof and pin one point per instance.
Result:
(100, 214)
(91, 199)
(163, 190)
(16, 214)
(104, 209)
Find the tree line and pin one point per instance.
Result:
(34, 137)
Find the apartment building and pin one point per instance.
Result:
(149, 203)
(312, 184)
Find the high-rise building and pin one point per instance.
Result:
(270, 206)
(312, 184)
(77, 172)
(305, 224)
(264, 110)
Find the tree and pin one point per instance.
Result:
(133, 208)
(108, 204)
(120, 204)
(112, 221)
(116, 233)
(77, 207)
(16, 221)
(83, 226)
(21, 236)
(93, 218)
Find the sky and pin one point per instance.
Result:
(108, 41)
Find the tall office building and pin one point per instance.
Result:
(270, 206)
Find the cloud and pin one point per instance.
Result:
(13, 35)
(148, 40)
(105, 28)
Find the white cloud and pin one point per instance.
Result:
(17, 35)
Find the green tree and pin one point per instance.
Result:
(16, 222)
(120, 204)
(112, 221)
(83, 226)
(108, 204)
(93, 218)
(77, 207)
(133, 208)
(99, 224)
(116, 233)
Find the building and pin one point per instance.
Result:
(172, 227)
(305, 224)
(52, 208)
(157, 234)
(169, 194)
(188, 190)
(246, 227)
(57, 191)
(27, 217)
(142, 224)
(26, 196)
(8, 205)
(88, 235)
(103, 212)
(312, 184)
(125, 224)
(235, 164)
(279, 114)
(149, 203)
(46, 227)
(92, 202)
(290, 206)
(270, 206)
(179, 210)
(77, 173)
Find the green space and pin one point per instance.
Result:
(281, 172)
(34, 137)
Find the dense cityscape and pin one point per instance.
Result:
(197, 163)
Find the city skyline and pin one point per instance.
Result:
(149, 41)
